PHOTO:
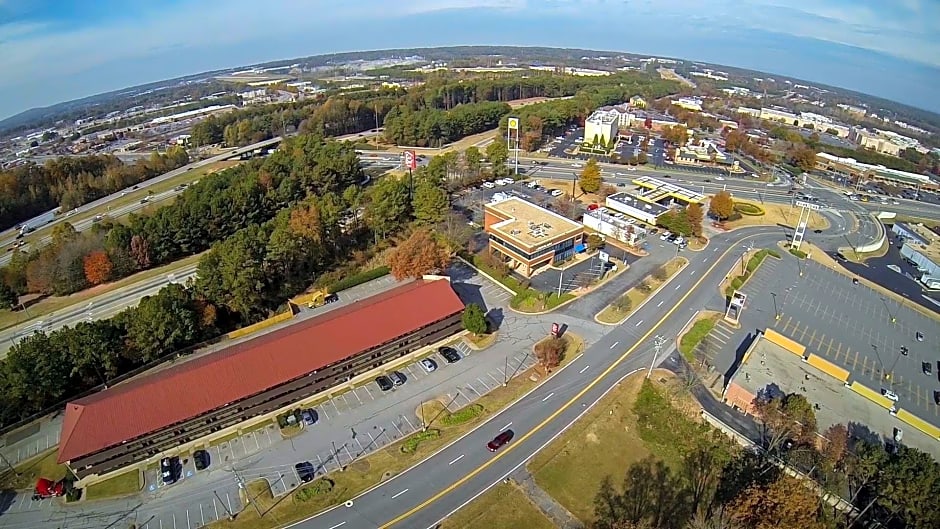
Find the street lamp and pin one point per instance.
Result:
(776, 313)
(658, 343)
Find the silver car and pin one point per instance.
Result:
(428, 365)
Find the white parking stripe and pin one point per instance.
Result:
(369, 392)
(409, 422)
(494, 378)
(357, 396)
(473, 389)
(397, 428)
(484, 384)
(323, 411)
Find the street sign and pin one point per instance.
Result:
(555, 329)
(411, 161)
(808, 205)
(512, 123)
(603, 256)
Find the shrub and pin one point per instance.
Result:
(316, 488)
(746, 208)
(358, 279)
(409, 445)
(462, 415)
(799, 253)
(661, 274)
(623, 303)
(550, 352)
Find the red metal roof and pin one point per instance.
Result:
(152, 402)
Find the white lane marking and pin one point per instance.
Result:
(548, 396)
(705, 260)
(715, 250)
(399, 494)
(583, 369)
(692, 273)
(678, 287)
(507, 426)
(338, 525)
(614, 345)
(638, 323)
(661, 303)
(455, 460)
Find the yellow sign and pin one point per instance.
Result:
(513, 123)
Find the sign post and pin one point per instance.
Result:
(512, 124)
(806, 209)
(555, 329)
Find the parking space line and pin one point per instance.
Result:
(485, 385)
(174, 520)
(812, 339)
(497, 382)
(202, 515)
(351, 458)
(357, 396)
(805, 330)
(216, 508)
(387, 437)
(361, 449)
(323, 411)
(409, 422)
(333, 402)
(229, 500)
(397, 428)
(854, 360)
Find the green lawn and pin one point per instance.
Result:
(696, 334)
(120, 485)
(502, 507)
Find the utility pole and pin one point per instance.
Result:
(658, 343)
(5, 460)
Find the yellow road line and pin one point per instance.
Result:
(570, 402)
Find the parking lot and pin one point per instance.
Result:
(859, 329)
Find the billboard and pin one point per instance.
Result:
(410, 160)
(512, 123)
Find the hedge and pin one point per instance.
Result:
(410, 444)
(746, 208)
(318, 487)
(694, 336)
(799, 253)
(738, 281)
(462, 415)
(358, 279)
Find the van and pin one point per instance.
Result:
(557, 192)
(488, 185)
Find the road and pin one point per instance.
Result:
(102, 306)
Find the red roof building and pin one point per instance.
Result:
(169, 398)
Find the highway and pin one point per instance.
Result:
(102, 306)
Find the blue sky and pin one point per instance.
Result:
(56, 50)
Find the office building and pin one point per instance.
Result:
(528, 237)
(863, 172)
(601, 127)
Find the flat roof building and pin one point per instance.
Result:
(656, 190)
(171, 410)
(636, 207)
(922, 247)
(867, 172)
(607, 223)
(704, 152)
(601, 126)
(529, 237)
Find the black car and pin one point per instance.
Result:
(201, 459)
(927, 367)
(384, 383)
(309, 416)
(305, 471)
(332, 298)
(170, 470)
(450, 354)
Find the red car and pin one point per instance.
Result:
(499, 440)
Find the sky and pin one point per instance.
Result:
(57, 50)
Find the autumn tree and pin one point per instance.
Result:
(140, 251)
(785, 502)
(675, 134)
(473, 319)
(803, 157)
(8, 297)
(721, 206)
(695, 215)
(785, 417)
(419, 254)
(836, 444)
(97, 266)
(595, 242)
(550, 352)
(590, 179)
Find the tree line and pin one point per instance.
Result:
(431, 127)
(296, 218)
(69, 182)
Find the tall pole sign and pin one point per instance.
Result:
(512, 124)
(411, 161)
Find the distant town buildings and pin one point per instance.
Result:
(810, 120)
(710, 74)
(854, 111)
(637, 102)
(689, 103)
(864, 172)
(885, 141)
(703, 152)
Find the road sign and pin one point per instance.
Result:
(411, 161)
(555, 329)
(512, 123)
(808, 205)
(603, 256)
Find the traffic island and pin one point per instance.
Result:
(390, 460)
(631, 300)
(740, 273)
(772, 215)
(695, 332)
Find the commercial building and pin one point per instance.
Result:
(612, 224)
(171, 410)
(689, 103)
(852, 110)
(811, 120)
(214, 109)
(651, 199)
(922, 249)
(637, 102)
(528, 237)
(884, 141)
(602, 127)
(864, 172)
(704, 152)
(635, 207)
(660, 191)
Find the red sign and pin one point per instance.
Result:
(649, 122)
(555, 330)
(411, 161)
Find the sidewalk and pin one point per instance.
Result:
(555, 511)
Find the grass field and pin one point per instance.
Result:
(120, 485)
(9, 318)
(387, 462)
(703, 325)
(613, 315)
(503, 506)
(779, 214)
(41, 466)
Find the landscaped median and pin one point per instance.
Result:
(735, 282)
(695, 333)
(390, 460)
(622, 307)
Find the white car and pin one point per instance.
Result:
(557, 192)
(631, 168)
(719, 178)
(890, 395)
(488, 185)
(665, 236)
(576, 165)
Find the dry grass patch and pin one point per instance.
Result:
(503, 506)
(617, 311)
(783, 215)
(481, 341)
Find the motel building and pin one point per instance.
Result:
(528, 237)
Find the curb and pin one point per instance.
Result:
(645, 301)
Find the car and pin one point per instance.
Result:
(719, 178)
(927, 367)
(488, 185)
(201, 459)
(499, 440)
(665, 236)
(331, 298)
(384, 382)
(919, 335)
(397, 378)
(904, 350)
(898, 435)
(169, 470)
(450, 354)
(890, 395)
(145, 200)
(309, 416)
(936, 397)
(428, 365)
(557, 192)
(305, 471)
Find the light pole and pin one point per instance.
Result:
(658, 342)
(776, 313)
